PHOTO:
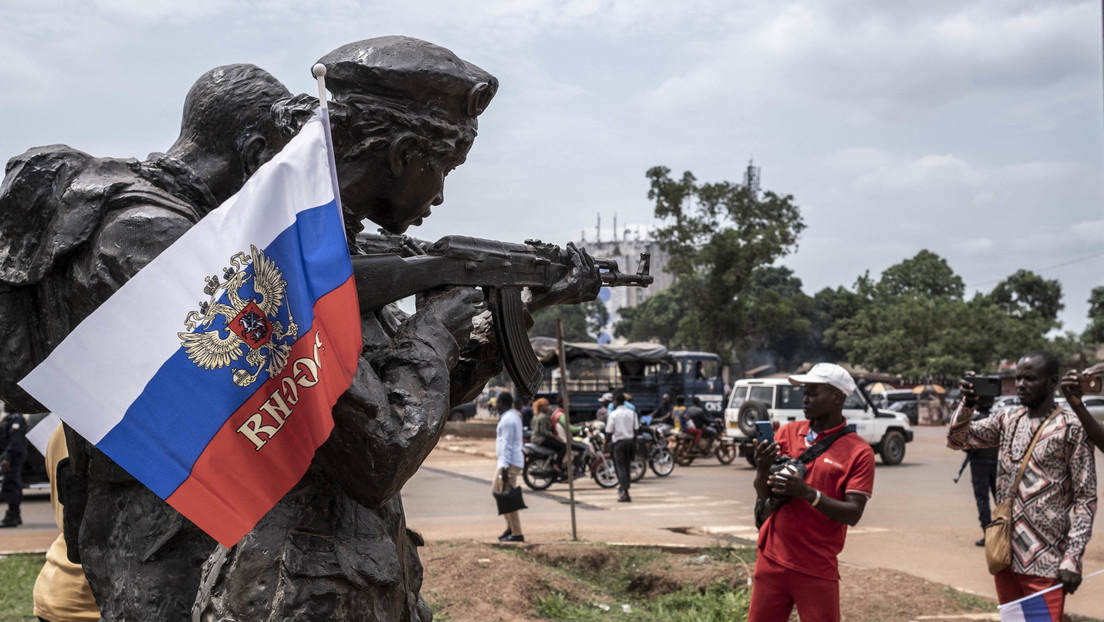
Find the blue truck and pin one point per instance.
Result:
(646, 371)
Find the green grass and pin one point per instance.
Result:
(690, 604)
(17, 576)
(967, 601)
(715, 604)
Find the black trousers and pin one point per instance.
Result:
(557, 446)
(983, 475)
(11, 491)
(623, 452)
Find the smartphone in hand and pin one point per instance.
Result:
(764, 432)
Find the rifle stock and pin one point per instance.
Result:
(395, 267)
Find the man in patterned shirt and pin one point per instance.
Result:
(1053, 508)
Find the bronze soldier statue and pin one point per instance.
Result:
(73, 229)
(337, 547)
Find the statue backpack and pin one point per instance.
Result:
(48, 206)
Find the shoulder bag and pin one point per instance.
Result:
(509, 498)
(998, 533)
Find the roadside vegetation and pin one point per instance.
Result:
(588, 581)
(17, 576)
(648, 584)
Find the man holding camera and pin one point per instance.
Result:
(1054, 505)
(812, 482)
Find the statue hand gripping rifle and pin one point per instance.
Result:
(337, 547)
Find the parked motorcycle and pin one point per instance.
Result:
(685, 452)
(539, 472)
(652, 444)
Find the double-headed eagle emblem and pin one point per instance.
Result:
(228, 325)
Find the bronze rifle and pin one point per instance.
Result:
(393, 267)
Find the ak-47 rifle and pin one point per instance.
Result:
(393, 267)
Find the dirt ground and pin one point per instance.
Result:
(478, 582)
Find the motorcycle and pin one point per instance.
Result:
(539, 472)
(652, 443)
(685, 451)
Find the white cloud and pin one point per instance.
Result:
(881, 66)
(1089, 231)
(165, 10)
(874, 170)
(975, 246)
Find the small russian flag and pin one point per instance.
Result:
(1031, 608)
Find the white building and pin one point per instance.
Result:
(626, 252)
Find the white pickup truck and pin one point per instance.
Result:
(775, 399)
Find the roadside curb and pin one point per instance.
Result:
(678, 549)
(468, 450)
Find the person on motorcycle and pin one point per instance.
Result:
(683, 423)
(662, 413)
(604, 406)
(701, 420)
(542, 433)
(561, 428)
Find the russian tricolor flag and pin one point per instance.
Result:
(1031, 608)
(210, 375)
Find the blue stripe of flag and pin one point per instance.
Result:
(1035, 609)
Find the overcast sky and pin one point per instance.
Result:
(970, 128)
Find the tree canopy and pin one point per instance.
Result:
(579, 322)
(716, 235)
(915, 323)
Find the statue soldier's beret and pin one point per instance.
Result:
(412, 74)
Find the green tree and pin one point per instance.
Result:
(925, 275)
(829, 307)
(662, 317)
(1028, 296)
(779, 317)
(580, 322)
(914, 321)
(716, 235)
(1094, 332)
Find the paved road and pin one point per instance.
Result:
(918, 522)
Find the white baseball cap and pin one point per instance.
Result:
(827, 373)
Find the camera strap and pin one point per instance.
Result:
(821, 446)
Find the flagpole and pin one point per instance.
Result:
(319, 71)
(1049, 589)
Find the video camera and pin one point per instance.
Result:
(985, 386)
(1092, 379)
(790, 465)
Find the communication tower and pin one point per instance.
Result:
(751, 179)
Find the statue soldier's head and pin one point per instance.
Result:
(228, 129)
(404, 115)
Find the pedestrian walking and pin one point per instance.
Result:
(622, 426)
(508, 444)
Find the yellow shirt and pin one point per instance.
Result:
(61, 593)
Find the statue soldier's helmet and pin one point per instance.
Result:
(409, 74)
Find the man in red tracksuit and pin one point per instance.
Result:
(805, 516)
